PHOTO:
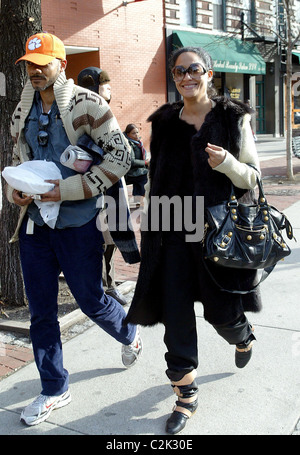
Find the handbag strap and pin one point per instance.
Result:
(262, 201)
(265, 273)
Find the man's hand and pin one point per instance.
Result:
(20, 199)
(53, 195)
(216, 155)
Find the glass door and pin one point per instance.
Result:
(260, 105)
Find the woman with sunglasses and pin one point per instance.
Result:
(199, 146)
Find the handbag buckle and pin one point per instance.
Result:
(225, 240)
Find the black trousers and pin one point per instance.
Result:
(179, 285)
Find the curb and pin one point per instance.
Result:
(15, 356)
(65, 322)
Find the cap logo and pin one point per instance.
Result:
(42, 48)
(35, 43)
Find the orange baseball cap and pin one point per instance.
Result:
(42, 48)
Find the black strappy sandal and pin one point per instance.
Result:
(177, 421)
(183, 410)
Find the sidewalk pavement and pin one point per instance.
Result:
(107, 399)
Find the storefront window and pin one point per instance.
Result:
(234, 86)
(218, 84)
(296, 105)
(297, 102)
(297, 118)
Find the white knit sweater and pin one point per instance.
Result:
(242, 175)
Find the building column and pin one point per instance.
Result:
(252, 97)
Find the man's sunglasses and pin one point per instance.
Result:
(43, 136)
(195, 71)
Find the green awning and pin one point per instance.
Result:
(297, 54)
(230, 55)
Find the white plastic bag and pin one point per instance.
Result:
(49, 211)
(29, 177)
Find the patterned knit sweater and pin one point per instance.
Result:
(81, 112)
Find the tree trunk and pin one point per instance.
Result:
(289, 68)
(18, 21)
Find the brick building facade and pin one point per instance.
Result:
(132, 41)
(125, 40)
(230, 30)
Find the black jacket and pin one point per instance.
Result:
(173, 141)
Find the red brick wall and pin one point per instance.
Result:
(131, 48)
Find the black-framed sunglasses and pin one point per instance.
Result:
(195, 71)
(44, 120)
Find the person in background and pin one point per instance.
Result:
(104, 86)
(137, 174)
(53, 114)
(97, 80)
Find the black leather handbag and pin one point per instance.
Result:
(246, 236)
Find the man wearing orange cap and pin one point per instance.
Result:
(53, 114)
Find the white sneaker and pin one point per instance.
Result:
(41, 408)
(132, 352)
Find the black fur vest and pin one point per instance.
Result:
(174, 142)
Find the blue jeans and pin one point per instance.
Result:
(77, 252)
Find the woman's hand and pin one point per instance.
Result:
(216, 154)
(20, 199)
